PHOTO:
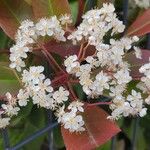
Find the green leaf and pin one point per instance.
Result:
(9, 80)
(58, 140)
(40, 121)
(106, 146)
(35, 144)
(3, 40)
(79, 91)
(74, 10)
(22, 115)
(46, 8)
(19, 134)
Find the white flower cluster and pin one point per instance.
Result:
(142, 3)
(96, 23)
(106, 72)
(36, 86)
(144, 85)
(72, 119)
(42, 94)
(28, 33)
(126, 106)
(39, 89)
(9, 110)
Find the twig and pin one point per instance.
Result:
(98, 103)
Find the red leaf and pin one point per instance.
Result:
(46, 8)
(98, 130)
(12, 13)
(137, 63)
(65, 49)
(141, 25)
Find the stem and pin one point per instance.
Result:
(98, 103)
(18, 78)
(49, 61)
(2, 98)
(136, 78)
(71, 91)
(4, 51)
(52, 59)
(80, 51)
(84, 51)
(62, 78)
(74, 81)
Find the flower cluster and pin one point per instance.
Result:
(36, 86)
(8, 110)
(144, 85)
(96, 23)
(38, 89)
(72, 119)
(28, 33)
(102, 71)
(106, 72)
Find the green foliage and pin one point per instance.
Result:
(58, 140)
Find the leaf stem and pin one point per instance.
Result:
(98, 103)
(80, 51)
(84, 51)
(71, 91)
(49, 61)
(52, 59)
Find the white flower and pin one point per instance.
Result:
(34, 75)
(61, 95)
(147, 100)
(50, 27)
(43, 100)
(117, 91)
(96, 23)
(45, 86)
(138, 52)
(10, 110)
(43, 27)
(18, 64)
(142, 3)
(145, 69)
(71, 64)
(65, 19)
(135, 96)
(135, 38)
(26, 33)
(10, 99)
(59, 113)
(101, 82)
(123, 76)
(143, 112)
(76, 106)
(73, 122)
(23, 97)
(92, 61)
(4, 122)
(84, 70)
